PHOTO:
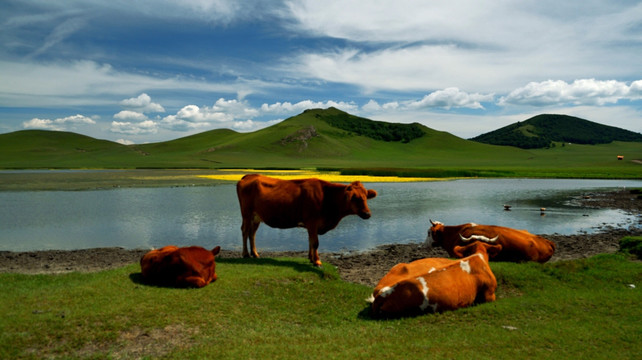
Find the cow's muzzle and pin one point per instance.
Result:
(365, 215)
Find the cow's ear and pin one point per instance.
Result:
(372, 194)
(493, 250)
(458, 251)
(216, 250)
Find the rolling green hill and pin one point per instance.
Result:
(543, 130)
(323, 138)
(57, 149)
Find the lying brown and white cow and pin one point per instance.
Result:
(517, 245)
(191, 266)
(314, 204)
(453, 285)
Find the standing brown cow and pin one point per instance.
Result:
(314, 204)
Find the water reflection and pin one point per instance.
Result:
(209, 216)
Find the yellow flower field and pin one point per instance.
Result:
(332, 176)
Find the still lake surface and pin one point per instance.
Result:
(209, 216)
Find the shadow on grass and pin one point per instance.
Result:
(367, 315)
(298, 266)
(294, 264)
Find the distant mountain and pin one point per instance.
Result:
(542, 130)
(328, 138)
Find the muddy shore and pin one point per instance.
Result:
(359, 267)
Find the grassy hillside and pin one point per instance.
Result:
(46, 149)
(326, 138)
(543, 130)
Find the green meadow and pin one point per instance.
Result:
(309, 141)
(284, 308)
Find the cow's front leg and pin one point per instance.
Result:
(192, 281)
(313, 250)
(255, 227)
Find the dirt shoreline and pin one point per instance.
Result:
(359, 267)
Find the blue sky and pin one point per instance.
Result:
(147, 71)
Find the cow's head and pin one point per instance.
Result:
(435, 234)
(357, 197)
(478, 247)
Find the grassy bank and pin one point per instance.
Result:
(284, 308)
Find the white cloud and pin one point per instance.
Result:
(141, 128)
(289, 108)
(125, 142)
(59, 123)
(579, 92)
(246, 125)
(143, 103)
(451, 97)
(129, 115)
(36, 123)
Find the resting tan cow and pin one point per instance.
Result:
(422, 266)
(517, 245)
(314, 204)
(191, 266)
(458, 284)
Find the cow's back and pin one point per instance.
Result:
(280, 203)
(518, 245)
(413, 269)
(153, 261)
(174, 266)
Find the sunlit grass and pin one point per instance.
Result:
(332, 176)
(284, 308)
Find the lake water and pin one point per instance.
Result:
(209, 216)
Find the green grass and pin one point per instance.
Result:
(632, 245)
(287, 309)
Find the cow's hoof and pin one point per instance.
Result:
(318, 264)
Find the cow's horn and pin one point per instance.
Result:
(479, 237)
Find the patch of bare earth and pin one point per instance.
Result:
(137, 343)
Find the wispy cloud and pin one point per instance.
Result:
(579, 92)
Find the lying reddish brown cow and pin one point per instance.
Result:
(183, 267)
(459, 283)
(518, 245)
(314, 204)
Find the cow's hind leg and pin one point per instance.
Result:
(245, 230)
